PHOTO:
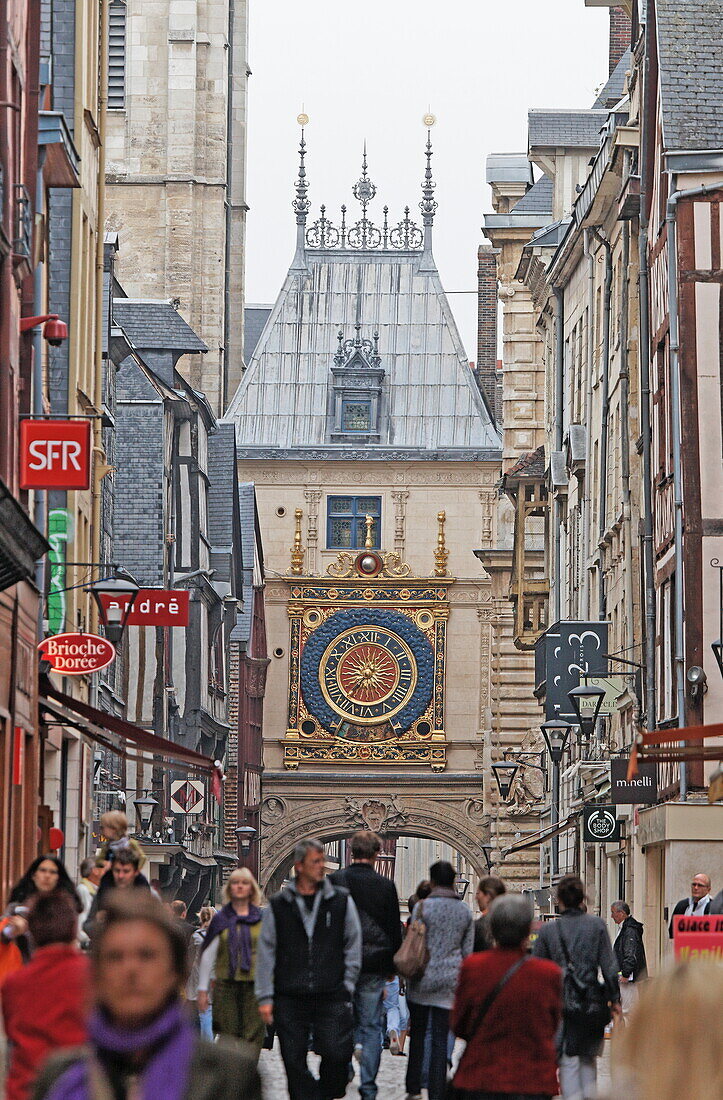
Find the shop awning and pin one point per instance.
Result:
(122, 737)
(532, 839)
(21, 544)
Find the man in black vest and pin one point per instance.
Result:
(307, 963)
(378, 905)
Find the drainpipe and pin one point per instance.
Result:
(228, 210)
(559, 407)
(41, 495)
(645, 404)
(585, 610)
(675, 417)
(605, 396)
(625, 442)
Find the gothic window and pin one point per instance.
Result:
(117, 55)
(356, 415)
(346, 522)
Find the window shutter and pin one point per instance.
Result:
(117, 56)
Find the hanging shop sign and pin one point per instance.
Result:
(600, 824)
(698, 938)
(55, 454)
(77, 654)
(153, 607)
(642, 789)
(188, 796)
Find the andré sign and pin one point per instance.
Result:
(77, 654)
(154, 607)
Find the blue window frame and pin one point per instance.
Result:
(346, 522)
(356, 414)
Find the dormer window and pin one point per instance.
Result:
(355, 408)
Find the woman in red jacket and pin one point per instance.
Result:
(510, 1052)
(44, 1004)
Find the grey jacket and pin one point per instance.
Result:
(266, 950)
(450, 938)
(716, 906)
(588, 945)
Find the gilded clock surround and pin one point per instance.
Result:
(367, 664)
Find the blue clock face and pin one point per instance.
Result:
(367, 667)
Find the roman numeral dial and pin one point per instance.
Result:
(367, 674)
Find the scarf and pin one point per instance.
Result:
(165, 1077)
(239, 935)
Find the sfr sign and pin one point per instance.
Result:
(55, 454)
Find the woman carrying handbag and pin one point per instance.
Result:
(508, 1009)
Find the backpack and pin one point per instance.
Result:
(582, 1004)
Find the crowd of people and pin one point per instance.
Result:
(110, 992)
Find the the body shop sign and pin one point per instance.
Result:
(153, 607)
(77, 654)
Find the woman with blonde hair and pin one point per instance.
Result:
(673, 1032)
(229, 953)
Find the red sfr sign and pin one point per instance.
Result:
(77, 654)
(54, 454)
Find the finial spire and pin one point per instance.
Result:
(369, 540)
(297, 550)
(428, 205)
(441, 554)
(301, 203)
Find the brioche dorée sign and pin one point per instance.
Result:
(55, 454)
(77, 654)
(153, 607)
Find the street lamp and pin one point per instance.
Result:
(246, 834)
(505, 772)
(120, 593)
(556, 733)
(462, 886)
(145, 808)
(587, 701)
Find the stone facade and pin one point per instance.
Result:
(176, 176)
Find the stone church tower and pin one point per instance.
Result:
(376, 464)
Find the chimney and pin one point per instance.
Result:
(486, 369)
(620, 34)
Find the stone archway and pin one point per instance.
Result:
(457, 819)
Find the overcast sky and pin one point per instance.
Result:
(371, 70)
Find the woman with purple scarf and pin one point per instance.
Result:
(229, 952)
(142, 1045)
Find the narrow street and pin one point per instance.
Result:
(390, 1080)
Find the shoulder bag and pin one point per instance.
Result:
(582, 1004)
(412, 957)
(453, 1093)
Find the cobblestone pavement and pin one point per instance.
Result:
(390, 1080)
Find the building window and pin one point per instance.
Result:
(117, 56)
(346, 522)
(356, 415)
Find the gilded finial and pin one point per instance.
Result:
(297, 550)
(441, 554)
(369, 540)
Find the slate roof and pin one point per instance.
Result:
(255, 318)
(612, 92)
(538, 199)
(690, 47)
(429, 392)
(222, 478)
(565, 128)
(155, 324)
(247, 512)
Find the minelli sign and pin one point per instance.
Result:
(77, 654)
(55, 454)
(698, 937)
(153, 607)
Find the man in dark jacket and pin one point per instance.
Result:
(125, 872)
(697, 905)
(307, 963)
(629, 952)
(378, 905)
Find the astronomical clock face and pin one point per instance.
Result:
(367, 674)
